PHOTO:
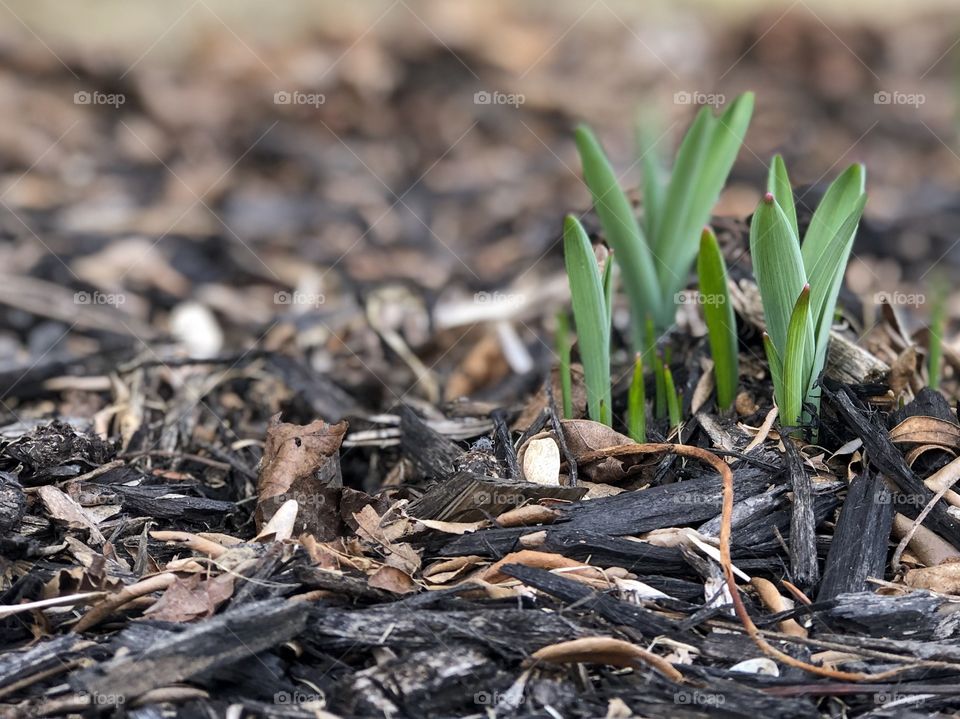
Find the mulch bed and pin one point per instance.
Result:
(280, 504)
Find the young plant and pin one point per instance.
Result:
(655, 262)
(563, 352)
(591, 314)
(637, 403)
(935, 335)
(718, 313)
(798, 283)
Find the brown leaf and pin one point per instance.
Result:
(450, 569)
(302, 463)
(527, 515)
(584, 436)
(398, 554)
(927, 430)
(63, 508)
(192, 598)
(944, 578)
(547, 560)
(392, 580)
(605, 650)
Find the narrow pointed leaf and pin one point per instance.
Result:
(830, 214)
(637, 403)
(776, 368)
(718, 314)
(590, 315)
(778, 184)
(654, 176)
(795, 368)
(607, 282)
(826, 277)
(621, 230)
(778, 267)
(673, 399)
(699, 186)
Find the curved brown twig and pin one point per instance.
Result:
(725, 561)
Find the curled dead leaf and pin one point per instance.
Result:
(926, 431)
(605, 650)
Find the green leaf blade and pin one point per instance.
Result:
(777, 266)
(590, 315)
(796, 374)
(621, 229)
(778, 184)
(719, 316)
(698, 179)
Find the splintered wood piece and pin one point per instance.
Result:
(858, 549)
(883, 455)
(469, 497)
(222, 640)
(433, 455)
(803, 523)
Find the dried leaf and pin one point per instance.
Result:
(302, 463)
(927, 430)
(392, 579)
(398, 554)
(192, 598)
(944, 578)
(605, 650)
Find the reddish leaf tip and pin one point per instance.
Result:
(768, 198)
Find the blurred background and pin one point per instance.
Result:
(375, 189)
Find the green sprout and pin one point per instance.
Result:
(655, 262)
(591, 314)
(637, 403)
(799, 284)
(935, 335)
(718, 314)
